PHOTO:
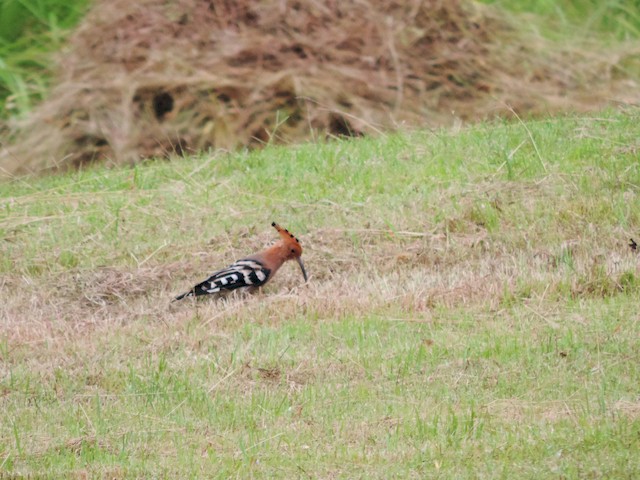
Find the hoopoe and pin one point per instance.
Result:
(253, 271)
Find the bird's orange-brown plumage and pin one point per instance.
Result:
(288, 248)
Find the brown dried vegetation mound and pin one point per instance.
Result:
(153, 78)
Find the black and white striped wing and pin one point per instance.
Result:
(244, 273)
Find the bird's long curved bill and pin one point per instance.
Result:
(304, 272)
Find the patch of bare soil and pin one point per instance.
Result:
(156, 79)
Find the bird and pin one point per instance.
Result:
(253, 271)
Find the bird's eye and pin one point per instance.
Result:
(293, 250)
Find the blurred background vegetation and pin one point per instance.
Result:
(613, 19)
(32, 31)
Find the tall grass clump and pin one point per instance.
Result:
(31, 30)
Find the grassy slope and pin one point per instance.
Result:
(472, 311)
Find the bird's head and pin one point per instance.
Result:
(291, 246)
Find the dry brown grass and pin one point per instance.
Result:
(151, 79)
(76, 309)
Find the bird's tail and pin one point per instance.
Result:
(190, 293)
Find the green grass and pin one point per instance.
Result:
(617, 18)
(471, 312)
(30, 32)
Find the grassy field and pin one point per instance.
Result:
(472, 311)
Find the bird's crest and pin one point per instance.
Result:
(286, 235)
(293, 247)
